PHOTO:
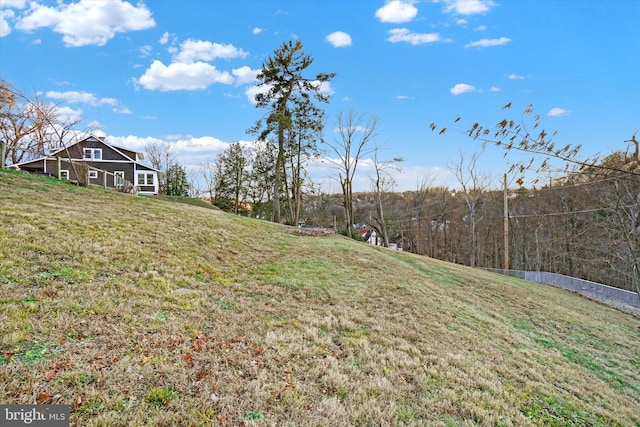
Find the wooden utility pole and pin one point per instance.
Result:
(3, 153)
(506, 226)
(637, 144)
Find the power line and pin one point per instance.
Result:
(558, 213)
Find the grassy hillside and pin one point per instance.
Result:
(140, 311)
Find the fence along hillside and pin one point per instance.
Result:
(615, 297)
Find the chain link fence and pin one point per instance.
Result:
(622, 299)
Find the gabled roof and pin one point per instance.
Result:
(120, 150)
(92, 138)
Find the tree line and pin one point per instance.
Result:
(582, 225)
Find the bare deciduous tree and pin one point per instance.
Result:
(160, 157)
(29, 126)
(382, 183)
(517, 135)
(356, 137)
(473, 185)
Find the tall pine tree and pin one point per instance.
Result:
(286, 88)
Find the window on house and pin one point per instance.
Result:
(145, 179)
(118, 178)
(64, 174)
(93, 174)
(92, 153)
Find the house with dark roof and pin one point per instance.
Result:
(104, 164)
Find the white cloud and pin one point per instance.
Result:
(95, 125)
(489, 42)
(256, 30)
(339, 39)
(194, 50)
(480, 28)
(245, 75)
(87, 22)
(324, 88)
(495, 89)
(468, 7)
(398, 35)
(397, 12)
(180, 76)
(188, 151)
(75, 97)
(558, 112)
(516, 77)
(462, 21)
(134, 142)
(164, 39)
(109, 101)
(461, 88)
(69, 115)
(13, 4)
(252, 91)
(146, 50)
(5, 16)
(121, 109)
(179, 144)
(199, 145)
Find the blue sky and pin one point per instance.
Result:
(183, 72)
